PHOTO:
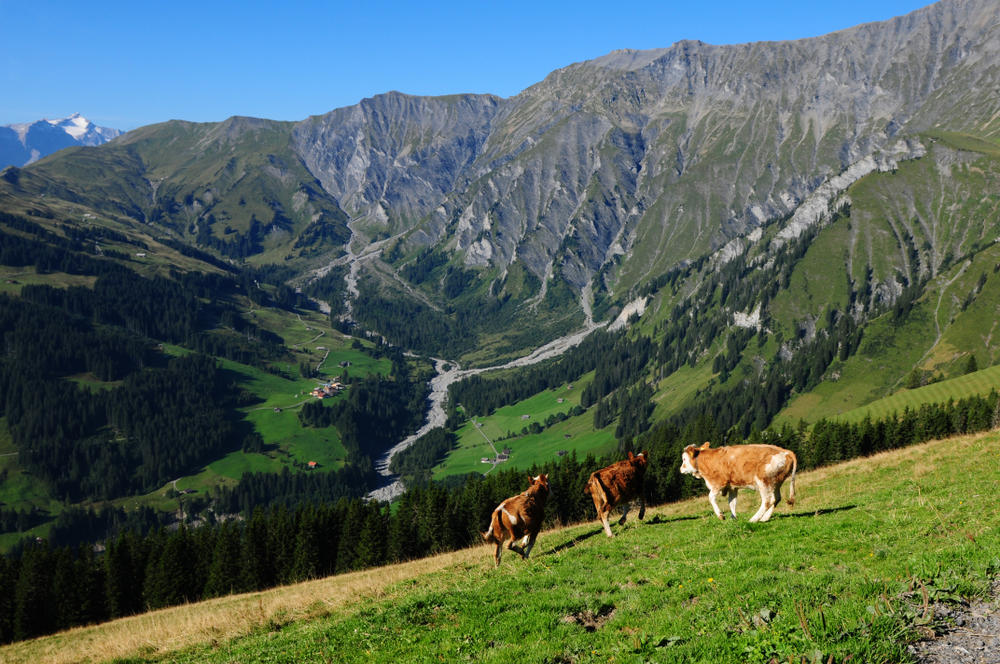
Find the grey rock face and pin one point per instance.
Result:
(395, 155)
(658, 155)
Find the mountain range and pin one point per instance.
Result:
(24, 143)
(497, 224)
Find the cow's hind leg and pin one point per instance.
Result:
(526, 548)
(732, 501)
(771, 498)
(712, 496)
(625, 509)
(603, 512)
(512, 545)
(765, 496)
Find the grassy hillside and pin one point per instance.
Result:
(277, 394)
(976, 383)
(849, 571)
(509, 428)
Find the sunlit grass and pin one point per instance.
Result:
(842, 573)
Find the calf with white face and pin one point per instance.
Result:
(728, 469)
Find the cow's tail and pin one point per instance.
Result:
(791, 481)
(597, 490)
(492, 531)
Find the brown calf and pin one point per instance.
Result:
(728, 469)
(519, 517)
(619, 483)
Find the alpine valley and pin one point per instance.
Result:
(763, 241)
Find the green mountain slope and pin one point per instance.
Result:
(855, 570)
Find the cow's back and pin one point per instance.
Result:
(622, 479)
(743, 465)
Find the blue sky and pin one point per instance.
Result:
(127, 64)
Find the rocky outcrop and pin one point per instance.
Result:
(655, 155)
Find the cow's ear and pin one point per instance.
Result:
(706, 445)
(630, 456)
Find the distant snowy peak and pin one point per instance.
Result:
(75, 125)
(84, 131)
(21, 144)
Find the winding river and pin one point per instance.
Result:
(449, 372)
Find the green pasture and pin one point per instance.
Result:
(680, 388)
(504, 428)
(575, 433)
(890, 349)
(276, 420)
(976, 383)
(19, 491)
(818, 282)
(13, 279)
(851, 573)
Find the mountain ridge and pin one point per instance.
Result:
(604, 176)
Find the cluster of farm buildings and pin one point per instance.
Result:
(329, 389)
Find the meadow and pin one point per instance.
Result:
(504, 428)
(976, 383)
(850, 573)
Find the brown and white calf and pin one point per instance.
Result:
(728, 469)
(519, 517)
(619, 483)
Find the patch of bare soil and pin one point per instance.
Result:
(972, 635)
(590, 620)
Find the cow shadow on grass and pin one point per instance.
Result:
(573, 542)
(826, 510)
(659, 520)
(656, 520)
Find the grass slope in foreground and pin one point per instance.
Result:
(841, 574)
